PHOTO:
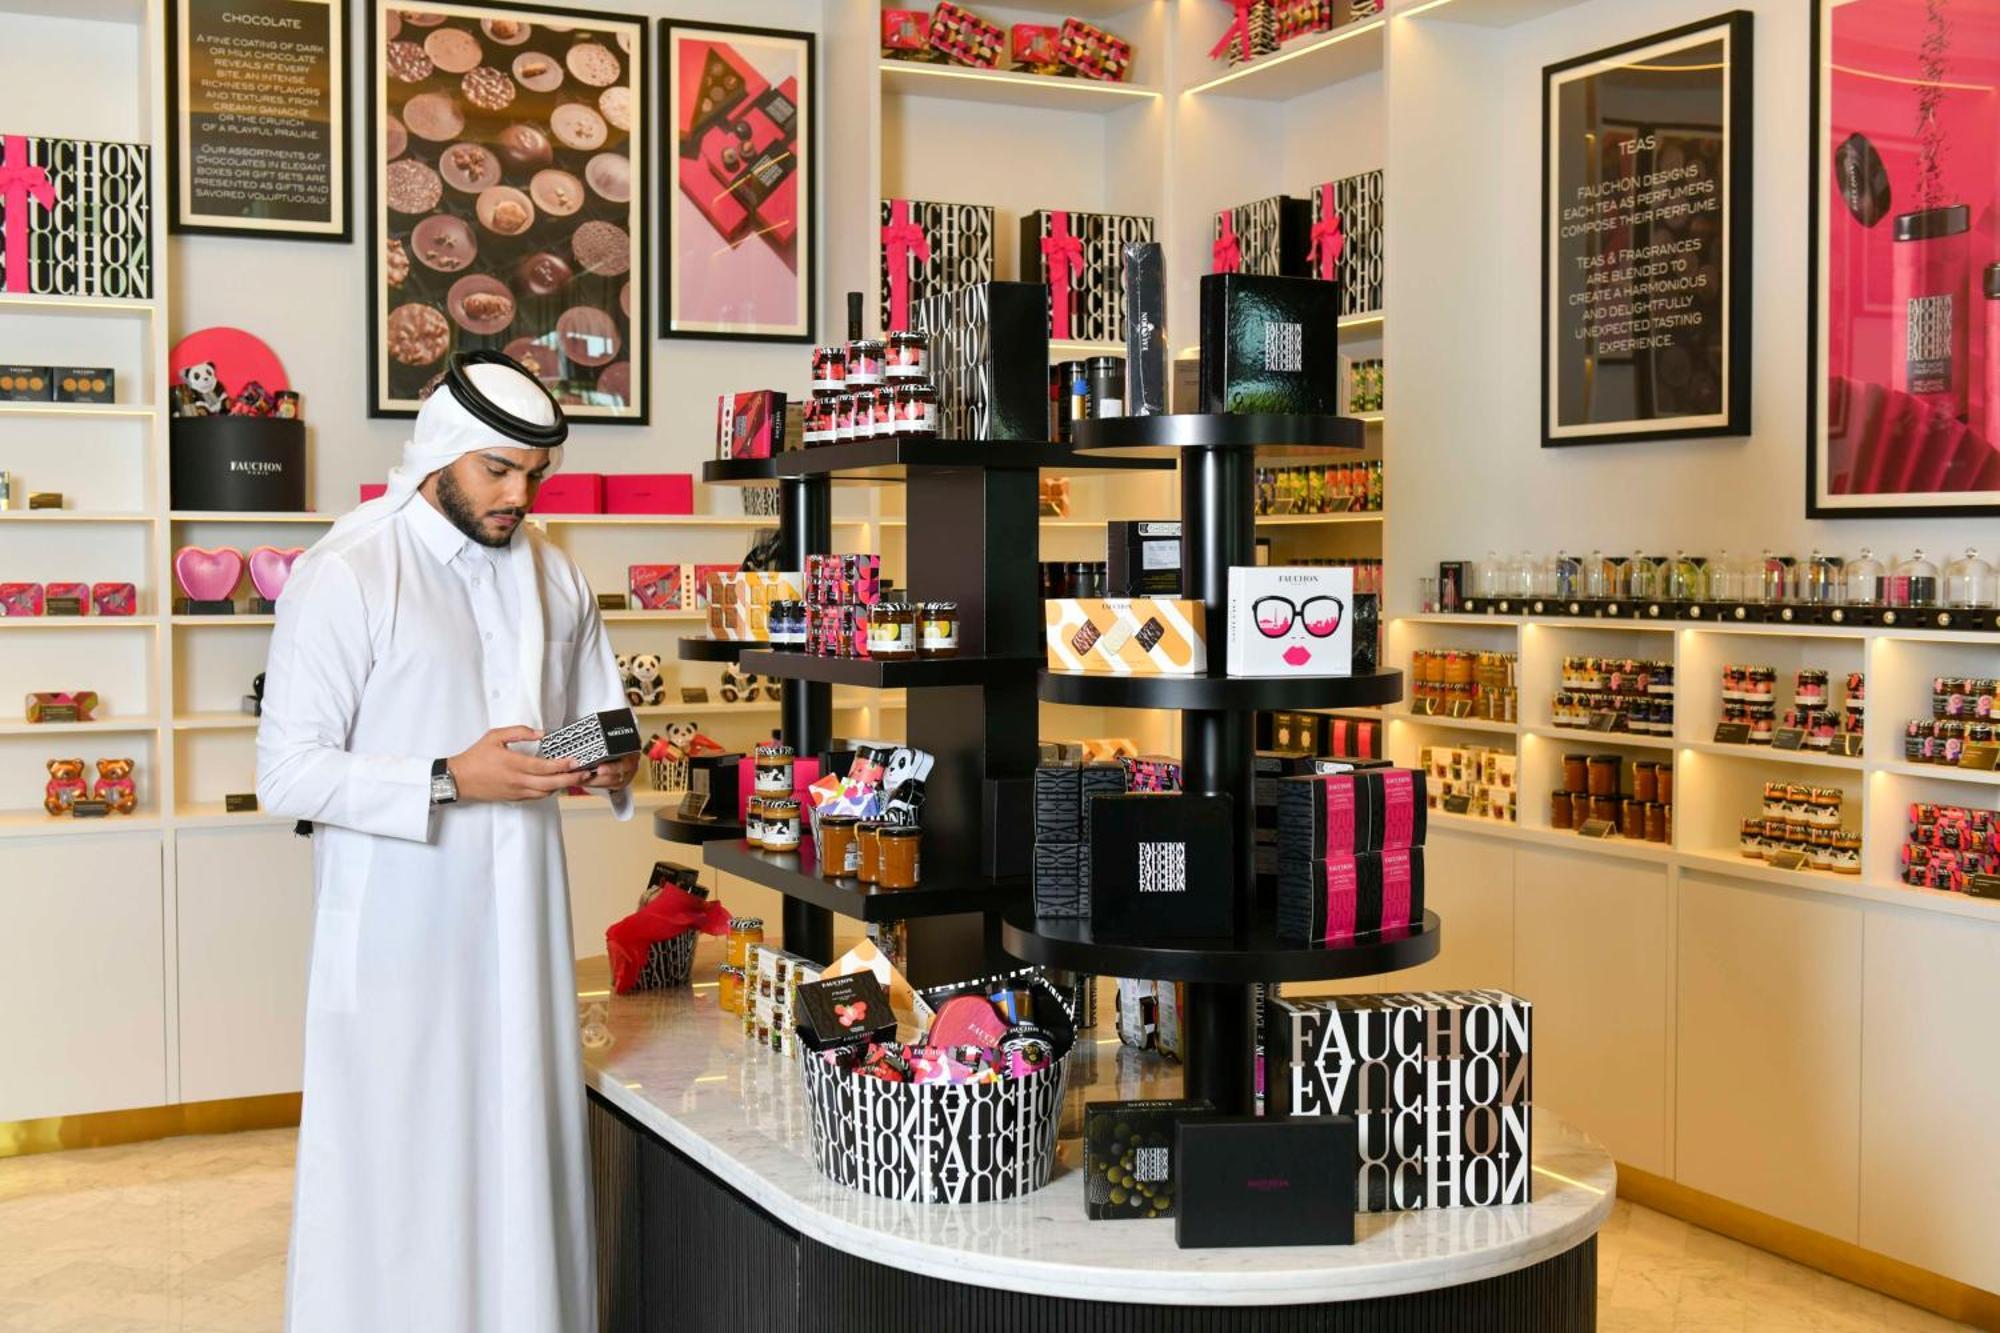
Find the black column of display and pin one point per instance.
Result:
(805, 527)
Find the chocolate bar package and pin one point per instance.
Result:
(1062, 879)
(1092, 53)
(1340, 897)
(1268, 238)
(1126, 636)
(1033, 48)
(906, 35)
(1145, 293)
(929, 249)
(1269, 344)
(1143, 557)
(1354, 737)
(1128, 1156)
(1365, 644)
(1079, 257)
(1347, 231)
(26, 384)
(85, 384)
(593, 739)
(990, 358)
(1439, 1084)
(750, 424)
(966, 37)
(1338, 814)
(849, 1010)
(1248, 1180)
(1160, 867)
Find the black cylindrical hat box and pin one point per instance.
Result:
(238, 463)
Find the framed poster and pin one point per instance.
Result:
(507, 201)
(257, 105)
(1646, 238)
(1903, 391)
(738, 158)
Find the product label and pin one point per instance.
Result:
(1339, 816)
(1160, 555)
(1343, 892)
(1927, 347)
(1395, 888)
(1399, 815)
(1284, 347)
(939, 634)
(1163, 867)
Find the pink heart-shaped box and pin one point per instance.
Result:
(271, 569)
(208, 576)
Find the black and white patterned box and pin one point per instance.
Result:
(76, 218)
(1268, 238)
(1088, 250)
(928, 248)
(990, 360)
(1351, 209)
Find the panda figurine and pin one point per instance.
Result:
(645, 686)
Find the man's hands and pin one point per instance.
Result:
(489, 771)
(613, 774)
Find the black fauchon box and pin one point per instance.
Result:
(1252, 1180)
(929, 248)
(1145, 293)
(1356, 203)
(1161, 867)
(1269, 344)
(1087, 306)
(1272, 237)
(1061, 885)
(990, 360)
(1128, 1156)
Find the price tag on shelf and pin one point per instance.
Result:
(1788, 860)
(1732, 733)
(1788, 738)
(692, 805)
(1461, 708)
(1423, 707)
(1850, 745)
(1605, 720)
(1982, 755)
(1596, 828)
(694, 694)
(1983, 886)
(1458, 805)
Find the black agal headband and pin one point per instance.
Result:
(530, 433)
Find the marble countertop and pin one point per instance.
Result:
(679, 1066)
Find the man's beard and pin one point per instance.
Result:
(468, 520)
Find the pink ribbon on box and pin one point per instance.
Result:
(21, 183)
(1239, 32)
(1327, 238)
(902, 240)
(1062, 257)
(1227, 251)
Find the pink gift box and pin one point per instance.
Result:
(571, 493)
(372, 489)
(648, 493)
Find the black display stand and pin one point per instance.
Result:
(1218, 457)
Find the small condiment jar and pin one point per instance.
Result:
(1664, 778)
(1656, 822)
(1575, 772)
(864, 363)
(916, 409)
(1560, 811)
(1645, 781)
(1632, 821)
(882, 412)
(839, 853)
(829, 369)
(729, 989)
(909, 357)
(781, 824)
(1846, 853)
(1603, 775)
(937, 629)
(1750, 839)
(868, 863)
(1579, 808)
(753, 821)
(774, 769)
(1605, 808)
(744, 931)
(892, 631)
(900, 844)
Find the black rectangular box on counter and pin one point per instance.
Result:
(990, 360)
(1145, 291)
(1128, 1156)
(1161, 867)
(1269, 344)
(847, 1010)
(237, 463)
(85, 384)
(1062, 879)
(1337, 814)
(1250, 1180)
(1059, 803)
(1143, 557)
(1320, 902)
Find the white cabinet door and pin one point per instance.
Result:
(245, 940)
(1930, 1136)
(1590, 953)
(1770, 1050)
(82, 985)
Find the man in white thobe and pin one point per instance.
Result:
(442, 1183)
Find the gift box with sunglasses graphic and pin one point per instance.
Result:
(1291, 620)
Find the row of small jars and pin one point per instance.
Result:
(1834, 849)
(1618, 675)
(1969, 582)
(1965, 697)
(1598, 775)
(1643, 715)
(1640, 821)
(1943, 740)
(871, 851)
(871, 414)
(1815, 807)
(865, 363)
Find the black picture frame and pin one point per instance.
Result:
(638, 331)
(340, 106)
(1819, 151)
(1735, 29)
(803, 330)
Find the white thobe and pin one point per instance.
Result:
(442, 1182)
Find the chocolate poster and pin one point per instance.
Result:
(76, 218)
(742, 248)
(1904, 409)
(257, 91)
(508, 201)
(1646, 233)
(929, 249)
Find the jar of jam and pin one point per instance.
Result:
(882, 414)
(816, 421)
(864, 363)
(839, 853)
(774, 769)
(1560, 811)
(1750, 839)
(916, 409)
(729, 989)
(1846, 853)
(909, 357)
(1663, 777)
(1809, 689)
(867, 837)
(829, 370)
(1575, 772)
(899, 860)
(1820, 848)
(753, 821)
(1605, 808)
(892, 631)
(937, 629)
(744, 931)
(845, 423)
(1656, 822)
(1632, 821)
(781, 824)
(1579, 808)
(1645, 780)
(1603, 775)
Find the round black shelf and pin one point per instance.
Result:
(716, 650)
(1220, 693)
(669, 825)
(739, 471)
(1272, 432)
(1255, 955)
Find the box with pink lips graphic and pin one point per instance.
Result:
(1291, 620)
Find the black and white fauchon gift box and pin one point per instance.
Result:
(1268, 238)
(1437, 1082)
(1351, 209)
(990, 360)
(1080, 258)
(928, 248)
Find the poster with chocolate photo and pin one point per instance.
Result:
(1903, 394)
(741, 249)
(508, 197)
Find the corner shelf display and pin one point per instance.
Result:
(1217, 456)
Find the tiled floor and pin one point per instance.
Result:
(188, 1236)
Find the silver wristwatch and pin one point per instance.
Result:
(444, 787)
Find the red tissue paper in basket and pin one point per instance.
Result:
(672, 911)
